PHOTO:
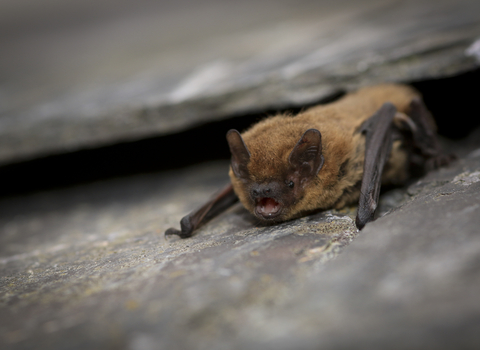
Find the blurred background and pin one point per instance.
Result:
(94, 89)
(78, 76)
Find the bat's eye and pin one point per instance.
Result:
(290, 184)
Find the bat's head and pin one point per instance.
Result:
(268, 185)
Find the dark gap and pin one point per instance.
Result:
(451, 101)
(203, 143)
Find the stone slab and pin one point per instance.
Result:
(89, 267)
(76, 76)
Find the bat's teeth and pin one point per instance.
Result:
(268, 207)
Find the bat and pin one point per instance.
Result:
(328, 156)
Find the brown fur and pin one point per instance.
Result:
(271, 141)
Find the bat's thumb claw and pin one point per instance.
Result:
(172, 232)
(359, 223)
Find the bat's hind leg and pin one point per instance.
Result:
(379, 135)
(425, 139)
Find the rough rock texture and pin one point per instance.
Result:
(89, 267)
(80, 75)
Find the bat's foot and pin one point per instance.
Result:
(439, 161)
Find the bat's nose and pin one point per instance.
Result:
(263, 190)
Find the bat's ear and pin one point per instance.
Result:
(306, 157)
(240, 154)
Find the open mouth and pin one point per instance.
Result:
(267, 207)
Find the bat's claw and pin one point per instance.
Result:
(173, 232)
(359, 223)
(185, 232)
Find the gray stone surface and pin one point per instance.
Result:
(89, 267)
(84, 74)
